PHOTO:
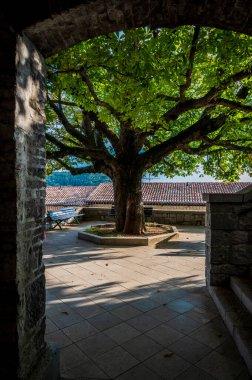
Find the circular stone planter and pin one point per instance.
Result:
(128, 240)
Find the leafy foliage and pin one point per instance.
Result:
(164, 100)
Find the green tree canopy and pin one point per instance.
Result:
(163, 100)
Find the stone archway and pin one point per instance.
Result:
(57, 25)
(53, 26)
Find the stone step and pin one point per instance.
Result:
(237, 319)
(243, 290)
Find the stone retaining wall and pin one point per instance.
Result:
(162, 215)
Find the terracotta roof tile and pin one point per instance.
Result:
(156, 193)
(68, 195)
(188, 193)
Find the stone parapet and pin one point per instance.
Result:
(160, 215)
(228, 236)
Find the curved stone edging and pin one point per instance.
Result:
(128, 241)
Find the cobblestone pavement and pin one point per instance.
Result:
(135, 313)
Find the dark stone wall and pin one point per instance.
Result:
(230, 14)
(8, 206)
(228, 236)
(74, 21)
(30, 186)
(22, 190)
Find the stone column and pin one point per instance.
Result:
(22, 191)
(228, 236)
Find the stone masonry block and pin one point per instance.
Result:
(241, 254)
(245, 220)
(239, 237)
(229, 269)
(35, 310)
(217, 238)
(225, 208)
(224, 221)
(217, 255)
(220, 279)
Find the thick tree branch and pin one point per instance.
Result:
(76, 171)
(84, 153)
(168, 98)
(57, 154)
(202, 127)
(213, 143)
(155, 127)
(64, 150)
(64, 103)
(67, 71)
(208, 100)
(64, 121)
(97, 167)
(104, 129)
(234, 105)
(189, 71)
(99, 102)
(231, 146)
(101, 126)
(87, 142)
(84, 76)
(55, 141)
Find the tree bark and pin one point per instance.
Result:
(128, 202)
(120, 185)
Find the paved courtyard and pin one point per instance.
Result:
(135, 313)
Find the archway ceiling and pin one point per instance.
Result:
(54, 25)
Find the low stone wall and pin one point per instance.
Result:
(228, 236)
(163, 215)
(184, 217)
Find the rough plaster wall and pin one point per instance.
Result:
(29, 140)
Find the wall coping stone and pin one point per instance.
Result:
(223, 198)
(240, 196)
(247, 193)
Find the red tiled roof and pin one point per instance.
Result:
(164, 193)
(68, 195)
(156, 193)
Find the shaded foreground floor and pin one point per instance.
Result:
(135, 313)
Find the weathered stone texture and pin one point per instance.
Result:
(180, 217)
(22, 294)
(30, 178)
(8, 207)
(34, 310)
(228, 236)
(82, 20)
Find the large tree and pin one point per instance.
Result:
(164, 100)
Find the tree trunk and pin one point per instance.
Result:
(128, 202)
(119, 185)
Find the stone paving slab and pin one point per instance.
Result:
(135, 312)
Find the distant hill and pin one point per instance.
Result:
(64, 178)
